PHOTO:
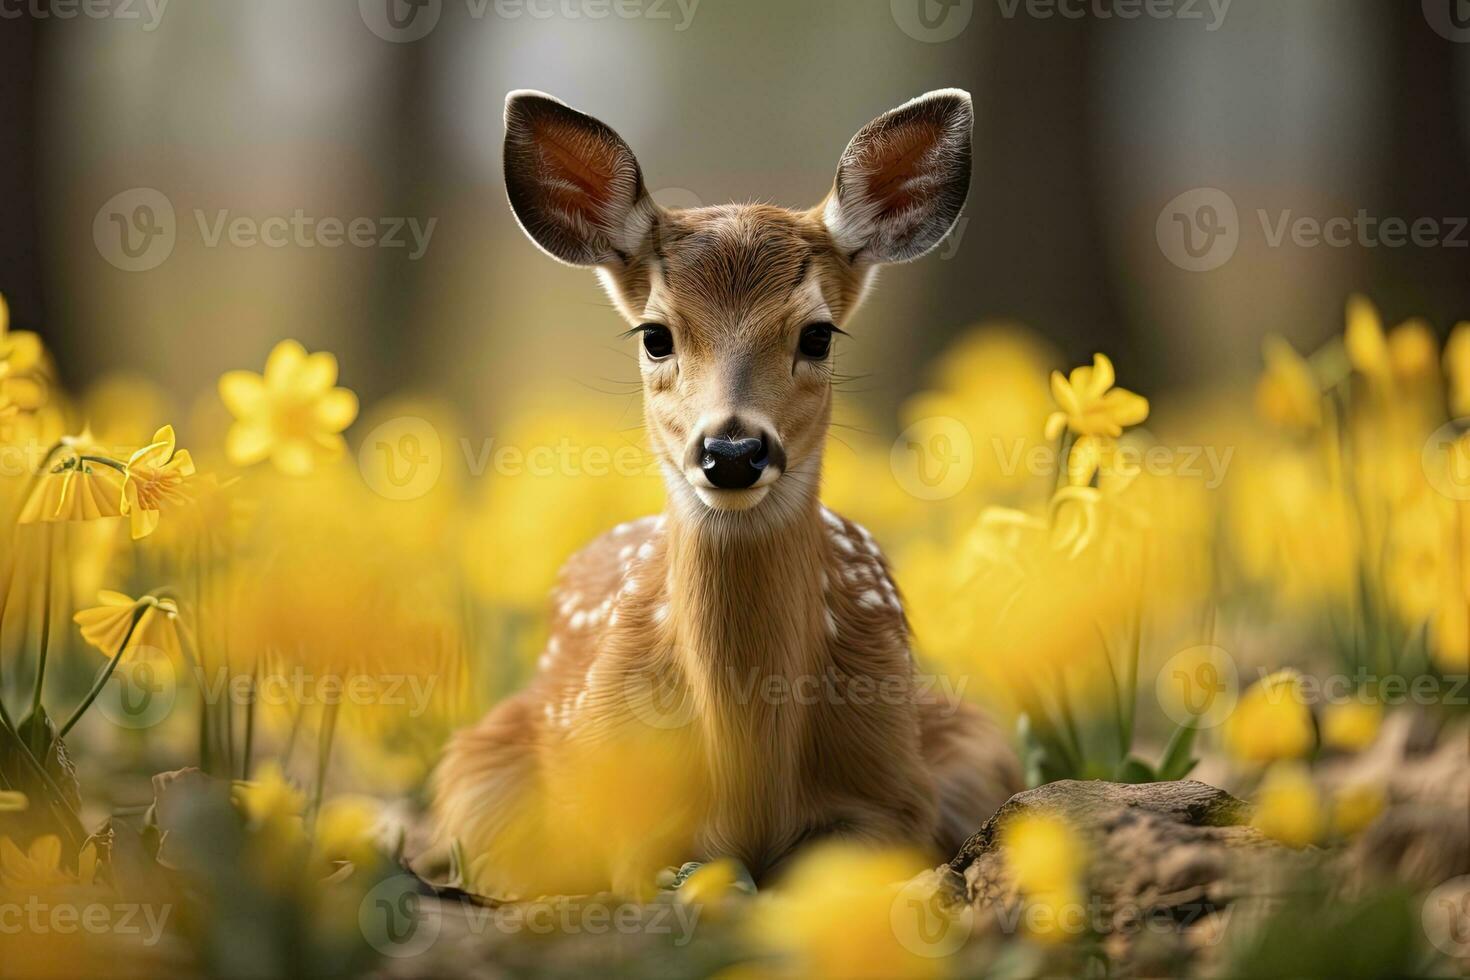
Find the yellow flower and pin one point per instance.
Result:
(1355, 807)
(1271, 721)
(1287, 394)
(1367, 347)
(1412, 350)
(1043, 854)
(1449, 633)
(1288, 808)
(345, 830)
(1090, 405)
(22, 360)
(40, 868)
(12, 801)
(713, 885)
(157, 477)
(845, 911)
(106, 626)
(269, 797)
(1457, 368)
(75, 486)
(291, 414)
(1352, 726)
(1046, 860)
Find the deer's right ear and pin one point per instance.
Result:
(903, 179)
(573, 184)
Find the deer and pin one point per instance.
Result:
(658, 627)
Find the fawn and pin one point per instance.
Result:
(673, 632)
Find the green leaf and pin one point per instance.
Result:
(58, 787)
(1134, 770)
(1177, 762)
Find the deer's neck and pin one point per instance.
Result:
(748, 602)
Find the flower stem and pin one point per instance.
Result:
(102, 678)
(326, 737)
(38, 732)
(120, 467)
(249, 747)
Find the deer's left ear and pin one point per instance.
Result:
(903, 179)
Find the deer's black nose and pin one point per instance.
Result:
(734, 464)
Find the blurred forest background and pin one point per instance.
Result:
(1085, 128)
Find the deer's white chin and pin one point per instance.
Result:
(731, 499)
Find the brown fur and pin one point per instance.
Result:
(761, 649)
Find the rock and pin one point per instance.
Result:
(1168, 862)
(1423, 836)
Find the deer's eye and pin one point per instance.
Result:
(816, 340)
(657, 340)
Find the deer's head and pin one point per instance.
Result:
(735, 307)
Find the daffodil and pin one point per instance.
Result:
(269, 797)
(1046, 861)
(1095, 412)
(1367, 347)
(22, 360)
(157, 477)
(273, 809)
(12, 801)
(292, 414)
(1271, 721)
(1090, 405)
(1287, 394)
(1288, 807)
(39, 867)
(1449, 633)
(122, 625)
(846, 911)
(1355, 807)
(344, 830)
(81, 482)
(1352, 725)
(1406, 354)
(1042, 853)
(1457, 369)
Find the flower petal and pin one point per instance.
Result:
(294, 457)
(1103, 376)
(283, 363)
(1124, 407)
(317, 373)
(1064, 395)
(248, 442)
(336, 409)
(243, 393)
